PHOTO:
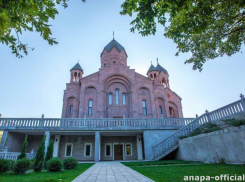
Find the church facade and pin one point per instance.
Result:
(116, 91)
(113, 114)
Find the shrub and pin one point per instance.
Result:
(70, 163)
(23, 149)
(4, 165)
(210, 127)
(222, 160)
(235, 122)
(38, 165)
(21, 166)
(54, 164)
(49, 154)
(196, 132)
(32, 162)
(11, 164)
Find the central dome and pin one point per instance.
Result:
(113, 54)
(115, 44)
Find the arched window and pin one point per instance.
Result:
(124, 99)
(75, 76)
(90, 107)
(114, 62)
(171, 112)
(117, 97)
(144, 107)
(151, 75)
(110, 98)
(71, 109)
(163, 81)
(155, 75)
(160, 109)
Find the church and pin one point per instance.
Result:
(112, 114)
(116, 91)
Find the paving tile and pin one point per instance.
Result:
(111, 172)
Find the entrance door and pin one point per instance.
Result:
(118, 152)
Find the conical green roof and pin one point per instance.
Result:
(77, 67)
(160, 68)
(115, 44)
(152, 68)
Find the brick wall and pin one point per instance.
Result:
(119, 140)
(78, 146)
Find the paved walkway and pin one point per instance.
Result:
(110, 172)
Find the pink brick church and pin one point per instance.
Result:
(116, 91)
(113, 114)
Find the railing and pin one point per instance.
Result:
(80, 123)
(172, 142)
(14, 155)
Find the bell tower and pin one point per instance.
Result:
(152, 73)
(158, 74)
(76, 73)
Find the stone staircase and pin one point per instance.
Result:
(171, 143)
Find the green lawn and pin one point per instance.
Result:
(63, 176)
(175, 171)
(164, 162)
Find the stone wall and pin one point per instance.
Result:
(119, 140)
(228, 144)
(33, 142)
(78, 146)
(153, 137)
(14, 141)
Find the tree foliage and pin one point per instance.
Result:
(49, 154)
(207, 29)
(26, 15)
(23, 149)
(38, 165)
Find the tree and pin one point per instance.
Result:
(49, 154)
(26, 15)
(23, 149)
(207, 29)
(38, 165)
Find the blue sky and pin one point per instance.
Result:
(34, 85)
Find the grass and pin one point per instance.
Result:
(235, 122)
(44, 176)
(175, 173)
(163, 162)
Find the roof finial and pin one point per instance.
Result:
(151, 62)
(157, 60)
(78, 61)
(113, 34)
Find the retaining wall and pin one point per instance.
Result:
(228, 143)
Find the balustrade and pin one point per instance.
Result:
(171, 143)
(66, 123)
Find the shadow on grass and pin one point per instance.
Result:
(44, 176)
